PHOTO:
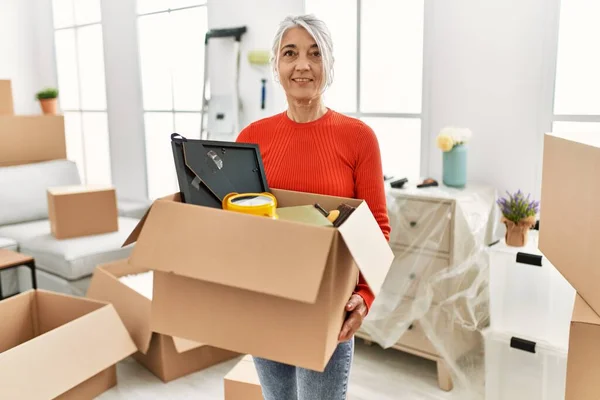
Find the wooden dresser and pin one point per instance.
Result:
(434, 231)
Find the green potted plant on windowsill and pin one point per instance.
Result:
(48, 100)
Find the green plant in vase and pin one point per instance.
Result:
(452, 141)
(518, 214)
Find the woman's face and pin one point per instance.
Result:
(300, 65)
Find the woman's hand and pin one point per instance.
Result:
(357, 312)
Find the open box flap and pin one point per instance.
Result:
(368, 246)
(132, 238)
(133, 308)
(65, 357)
(583, 313)
(175, 239)
(183, 345)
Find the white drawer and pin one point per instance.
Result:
(421, 224)
(415, 338)
(411, 269)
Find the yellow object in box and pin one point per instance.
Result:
(260, 204)
(306, 214)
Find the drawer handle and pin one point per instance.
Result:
(413, 224)
(410, 327)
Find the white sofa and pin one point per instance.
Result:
(62, 265)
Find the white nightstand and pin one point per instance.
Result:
(433, 292)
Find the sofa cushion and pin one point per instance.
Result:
(132, 208)
(23, 196)
(8, 244)
(70, 258)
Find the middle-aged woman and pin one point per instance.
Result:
(311, 148)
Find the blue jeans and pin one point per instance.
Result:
(285, 382)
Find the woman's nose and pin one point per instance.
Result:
(302, 64)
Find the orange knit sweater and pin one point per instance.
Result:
(334, 155)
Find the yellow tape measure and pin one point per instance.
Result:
(261, 204)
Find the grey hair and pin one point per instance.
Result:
(319, 32)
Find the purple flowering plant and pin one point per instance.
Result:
(517, 207)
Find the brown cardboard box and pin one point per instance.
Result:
(31, 138)
(254, 285)
(82, 210)
(6, 98)
(570, 216)
(583, 363)
(241, 383)
(58, 346)
(167, 357)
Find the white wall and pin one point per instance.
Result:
(490, 73)
(18, 54)
(261, 18)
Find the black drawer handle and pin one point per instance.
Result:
(531, 259)
(413, 224)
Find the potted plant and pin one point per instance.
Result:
(518, 214)
(47, 99)
(452, 141)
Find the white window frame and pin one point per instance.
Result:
(173, 111)
(425, 85)
(81, 111)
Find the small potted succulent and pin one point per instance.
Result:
(519, 215)
(47, 99)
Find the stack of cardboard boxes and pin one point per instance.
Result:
(570, 239)
(74, 211)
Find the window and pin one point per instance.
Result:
(80, 69)
(378, 72)
(577, 84)
(171, 42)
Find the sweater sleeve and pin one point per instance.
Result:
(369, 186)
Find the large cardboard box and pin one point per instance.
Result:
(31, 138)
(241, 383)
(82, 210)
(167, 357)
(58, 346)
(254, 285)
(6, 98)
(570, 216)
(583, 363)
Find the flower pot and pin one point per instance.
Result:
(517, 233)
(49, 106)
(455, 167)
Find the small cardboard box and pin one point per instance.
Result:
(569, 214)
(166, 357)
(82, 210)
(6, 98)
(58, 346)
(28, 139)
(254, 285)
(583, 362)
(241, 383)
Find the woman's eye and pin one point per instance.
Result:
(288, 53)
(316, 54)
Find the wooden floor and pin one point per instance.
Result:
(377, 374)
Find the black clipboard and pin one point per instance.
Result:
(208, 170)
